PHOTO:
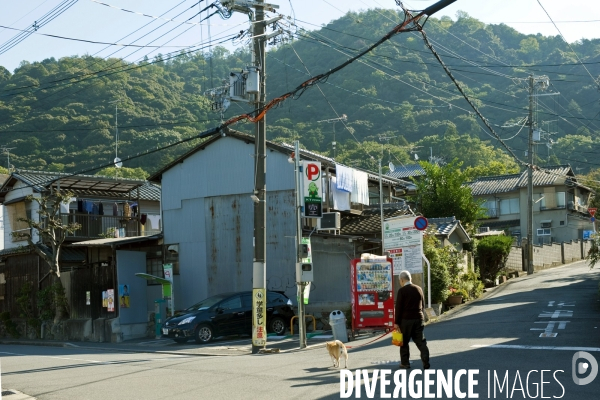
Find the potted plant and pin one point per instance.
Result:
(455, 298)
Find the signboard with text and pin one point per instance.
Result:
(404, 243)
(312, 198)
(259, 317)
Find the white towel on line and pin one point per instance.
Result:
(345, 177)
(341, 198)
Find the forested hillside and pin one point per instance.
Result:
(60, 114)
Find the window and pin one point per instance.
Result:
(544, 232)
(553, 200)
(509, 206)
(234, 302)
(154, 266)
(560, 200)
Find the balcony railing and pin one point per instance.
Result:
(97, 226)
(493, 213)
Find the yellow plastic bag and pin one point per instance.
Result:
(397, 339)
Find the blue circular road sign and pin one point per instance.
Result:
(421, 223)
(593, 219)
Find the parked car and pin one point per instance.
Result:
(227, 314)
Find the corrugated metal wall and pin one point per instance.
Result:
(332, 258)
(207, 210)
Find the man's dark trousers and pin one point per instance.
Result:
(413, 329)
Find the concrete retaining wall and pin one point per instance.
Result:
(549, 255)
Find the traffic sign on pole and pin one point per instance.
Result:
(421, 223)
(593, 219)
(592, 211)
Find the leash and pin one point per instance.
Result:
(364, 344)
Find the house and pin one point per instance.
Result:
(559, 210)
(120, 234)
(449, 232)
(208, 213)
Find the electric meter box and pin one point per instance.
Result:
(304, 272)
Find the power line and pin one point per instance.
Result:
(84, 40)
(41, 22)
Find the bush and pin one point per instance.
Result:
(491, 255)
(9, 325)
(440, 277)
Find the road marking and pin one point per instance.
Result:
(524, 347)
(556, 314)
(550, 325)
(550, 304)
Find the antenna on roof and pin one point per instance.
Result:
(6, 150)
(117, 160)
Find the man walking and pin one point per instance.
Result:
(410, 304)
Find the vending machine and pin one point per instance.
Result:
(372, 294)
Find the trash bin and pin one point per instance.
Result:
(337, 320)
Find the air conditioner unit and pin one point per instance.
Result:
(483, 229)
(330, 220)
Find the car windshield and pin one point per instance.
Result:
(206, 303)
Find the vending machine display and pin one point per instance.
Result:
(372, 296)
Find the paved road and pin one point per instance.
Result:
(500, 334)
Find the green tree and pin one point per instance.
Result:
(491, 169)
(124, 172)
(442, 193)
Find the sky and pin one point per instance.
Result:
(94, 20)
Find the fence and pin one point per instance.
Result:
(549, 255)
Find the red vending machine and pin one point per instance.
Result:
(372, 294)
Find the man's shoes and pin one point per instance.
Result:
(402, 366)
(426, 366)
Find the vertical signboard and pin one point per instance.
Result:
(312, 198)
(168, 289)
(404, 242)
(259, 319)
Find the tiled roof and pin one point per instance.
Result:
(556, 175)
(445, 227)
(369, 222)
(407, 171)
(90, 185)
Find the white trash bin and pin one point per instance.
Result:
(337, 320)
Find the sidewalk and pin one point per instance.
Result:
(222, 347)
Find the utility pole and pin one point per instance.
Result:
(344, 117)
(530, 182)
(259, 266)
(298, 181)
(543, 83)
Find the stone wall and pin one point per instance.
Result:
(515, 259)
(549, 255)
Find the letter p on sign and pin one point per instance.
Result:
(313, 171)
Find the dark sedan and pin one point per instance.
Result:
(227, 314)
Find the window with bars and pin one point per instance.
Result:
(154, 266)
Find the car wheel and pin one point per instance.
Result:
(277, 325)
(181, 340)
(204, 334)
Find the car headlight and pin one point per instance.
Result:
(186, 321)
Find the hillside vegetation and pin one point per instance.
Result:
(59, 115)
